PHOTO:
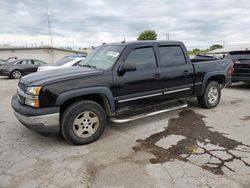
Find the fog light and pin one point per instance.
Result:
(32, 102)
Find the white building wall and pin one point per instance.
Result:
(47, 55)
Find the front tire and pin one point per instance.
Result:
(211, 97)
(83, 122)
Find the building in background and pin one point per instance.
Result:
(226, 50)
(44, 53)
(88, 50)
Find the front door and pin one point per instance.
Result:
(142, 83)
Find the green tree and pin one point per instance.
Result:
(147, 35)
(196, 51)
(215, 46)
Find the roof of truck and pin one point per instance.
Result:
(124, 43)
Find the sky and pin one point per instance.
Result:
(85, 23)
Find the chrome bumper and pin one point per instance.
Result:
(43, 123)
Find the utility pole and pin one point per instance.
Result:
(49, 26)
(73, 42)
(224, 43)
(167, 36)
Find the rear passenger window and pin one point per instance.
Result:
(171, 56)
(27, 62)
(38, 62)
(144, 58)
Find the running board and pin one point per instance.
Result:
(123, 119)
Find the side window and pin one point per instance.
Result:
(27, 62)
(37, 62)
(31, 62)
(24, 62)
(171, 56)
(144, 58)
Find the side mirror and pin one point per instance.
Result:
(126, 67)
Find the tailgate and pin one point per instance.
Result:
(242, 67)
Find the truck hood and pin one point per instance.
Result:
(58, 75)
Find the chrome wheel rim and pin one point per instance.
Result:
(86, 124)
(213, 95)
(16, 74)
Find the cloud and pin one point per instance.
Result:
(198, 23)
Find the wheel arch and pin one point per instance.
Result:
(100, 95)
(219, 77)
(15, 69)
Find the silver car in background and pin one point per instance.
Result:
(67, 61)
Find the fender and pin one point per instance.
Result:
(209, 75)
(86, 91)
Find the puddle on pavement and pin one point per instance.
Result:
(197, 136)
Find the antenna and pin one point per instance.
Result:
(49, 26)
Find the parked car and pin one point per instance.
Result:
(67, 61)
(241, 61)
(120, 82)
(20, 67)
(3, 62)
(10, 59)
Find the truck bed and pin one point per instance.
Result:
(205, 67)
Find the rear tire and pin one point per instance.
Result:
(16, 74)
(83, 122)
(211, 97)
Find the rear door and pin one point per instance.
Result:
(26, 66)
(177, 75)
(31, 66)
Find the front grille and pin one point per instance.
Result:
(21, 99)
(22, 88)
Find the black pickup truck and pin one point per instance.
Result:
(118, 82)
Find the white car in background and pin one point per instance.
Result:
(67, 61)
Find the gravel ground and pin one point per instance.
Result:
(192, 147)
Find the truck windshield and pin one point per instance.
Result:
(103, 57)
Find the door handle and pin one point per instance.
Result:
(157, 76)
(185, 72)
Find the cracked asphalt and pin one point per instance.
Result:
(192, 147)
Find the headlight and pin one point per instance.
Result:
(32, 94)
(33, 91)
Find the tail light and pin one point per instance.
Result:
(231, 69)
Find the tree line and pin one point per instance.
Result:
(152, 35)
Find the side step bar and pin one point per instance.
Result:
(116, 119)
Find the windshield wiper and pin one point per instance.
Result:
(89, 66)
